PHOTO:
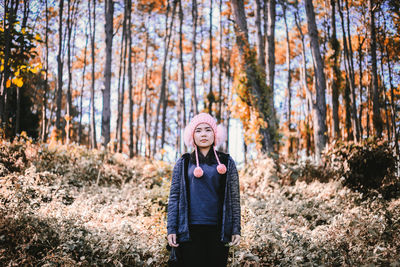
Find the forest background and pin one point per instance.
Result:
(94, 96)
(298, 75)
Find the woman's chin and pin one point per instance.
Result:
(204, 145)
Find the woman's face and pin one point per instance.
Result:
(203, 135)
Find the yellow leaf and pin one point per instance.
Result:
(18, 81)
(23, 30)
(34, 70)
(16, 73)
(8, 83)
(37, 37)
(1, 67)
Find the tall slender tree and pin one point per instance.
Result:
(194, 105)
(336, 73)
(60, 68)
(130, 86)
(92, 31)
(320, 130)
(46, 79)
(106, 114)
(376, 115)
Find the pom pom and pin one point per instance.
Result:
(220, 135)
(198, 172)
(188, 136)
(221, 168)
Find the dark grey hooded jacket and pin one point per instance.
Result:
(178, 207)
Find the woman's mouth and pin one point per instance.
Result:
(203, 141)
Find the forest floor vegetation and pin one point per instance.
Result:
(69, 206)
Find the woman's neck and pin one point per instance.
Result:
(204, 150)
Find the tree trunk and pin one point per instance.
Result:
(210, 96)
(376, 116)
(348, 121)
(261, 95)
(60, 70)
(220, 72)
(336, 73)
(269, 24)
(69, 97)
(10, 9)
(163, 74)
(320, 130)
(260, 36)
(45, 87)
(83, 86)
(130, 87)
(195, 108)
(92, 23)
(360, 44)
(385, 109)
(289, 72)
(121, 75)
(355, 120)
(181, 62)
(106, 114)
(392, 104)
(348, 63)
(165, 100)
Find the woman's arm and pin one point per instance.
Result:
(173, 201)
(235, 193)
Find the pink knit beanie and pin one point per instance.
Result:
(219, 139)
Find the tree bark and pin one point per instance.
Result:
(355, 120)
(220, 65)
(289, 72)
(336, 73)
(211, 96)
(82, 87)
(60, 70)
(45, 87)
(106, 114)
(376, 116)
(194, 106)
(130, 87)
(360, 44)
(270, 17)
(121, 88)
(320, 130)
(92, 23)
(260, 36)
(181, 63)
(69, 97)
(392, 104)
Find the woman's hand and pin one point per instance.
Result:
(172, 240)
(235, 240)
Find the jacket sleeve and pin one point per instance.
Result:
(235, 193)
(173, 200)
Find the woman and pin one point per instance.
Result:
(204, 200)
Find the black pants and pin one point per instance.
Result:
(205, 248)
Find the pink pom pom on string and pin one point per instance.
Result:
(221, 168)
(198, 172)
